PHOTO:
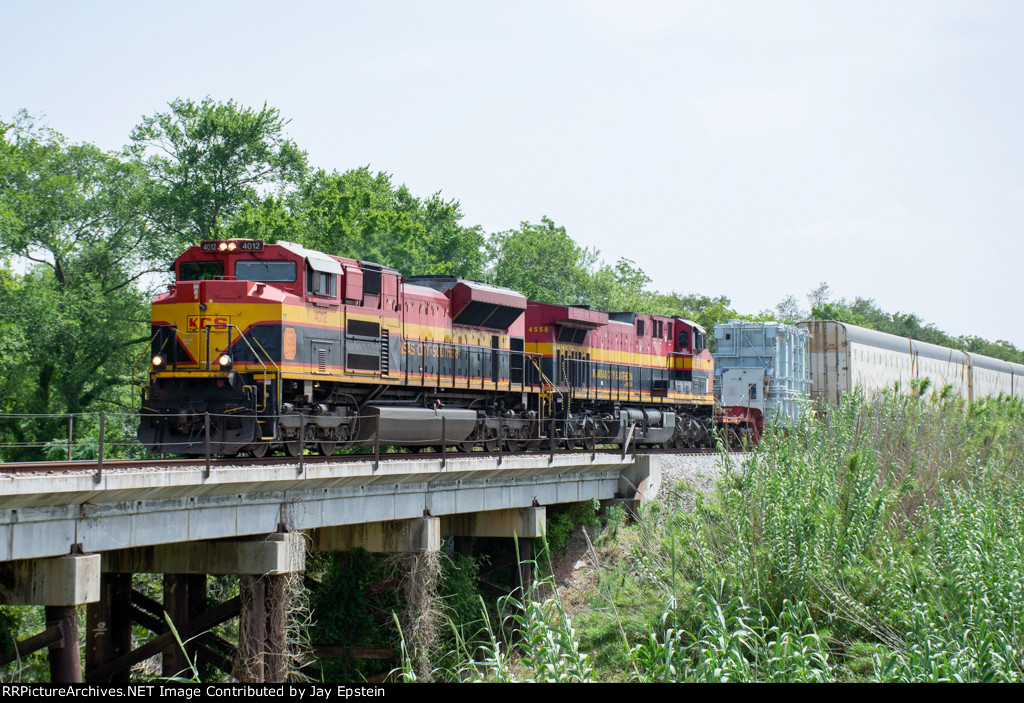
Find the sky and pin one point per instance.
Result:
(746, 149)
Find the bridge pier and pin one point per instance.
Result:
(263, 565)
(389, 537)
(59, 584)
(522, 525)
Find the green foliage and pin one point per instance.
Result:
(18, 623)
(361, 215)
(351, 607)
(614, 519)
(549, 648)
(879, 541)
(537, 643)
(622, 287)
(207, 160)
(81, 226)
(894, 522)
(563, 519)
(542, 262)
(458, 590)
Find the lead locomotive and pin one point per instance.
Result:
(275, 346)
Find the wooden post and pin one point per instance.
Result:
(65, 659)
(276, 661)
(175, 663)
(252, 631)
(108, 626)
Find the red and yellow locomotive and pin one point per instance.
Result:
(275, 346)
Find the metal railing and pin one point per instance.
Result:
(103, 436)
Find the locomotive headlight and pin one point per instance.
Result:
(223, 246)
(224, 360)
(232, 246)
(158, 360)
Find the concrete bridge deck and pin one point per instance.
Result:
(46, 515)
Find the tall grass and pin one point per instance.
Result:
(881, 540)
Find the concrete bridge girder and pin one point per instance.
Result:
(522, 523)
(233, 503)
(277, 553)
(73, 579)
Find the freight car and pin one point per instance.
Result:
(766, 371)
(845, 356)
(762, 374)
(258, 347)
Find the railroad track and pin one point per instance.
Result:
(56, 467)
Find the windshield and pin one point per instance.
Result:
(265, 271)
(200, 270)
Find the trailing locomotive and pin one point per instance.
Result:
(258, 347)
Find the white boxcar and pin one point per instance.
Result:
(994, 376)
(845, 356)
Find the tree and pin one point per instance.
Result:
(362, 215)
(820, 295)
(788, 310)
(76, 216)
(208, 160)
(622, 287)
(542, 262)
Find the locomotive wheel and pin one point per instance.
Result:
(677, 442)
(258, 450)
(491, 445)
(293, 448)
(467, 447)
(326, 448)
(588, 443)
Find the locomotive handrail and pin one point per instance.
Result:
(241, 335)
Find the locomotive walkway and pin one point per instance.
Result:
(68, 539)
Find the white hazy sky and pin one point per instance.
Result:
(749, 149)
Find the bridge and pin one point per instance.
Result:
(76, 537)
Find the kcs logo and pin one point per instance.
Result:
(290, 343)
(197, 323)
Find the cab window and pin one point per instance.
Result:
(321, 283)
(265, 271)
(200, 270)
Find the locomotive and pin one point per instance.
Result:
(261, 347)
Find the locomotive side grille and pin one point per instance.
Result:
(364, 362)
(321, 360)
(364, 328)
(385, 351)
